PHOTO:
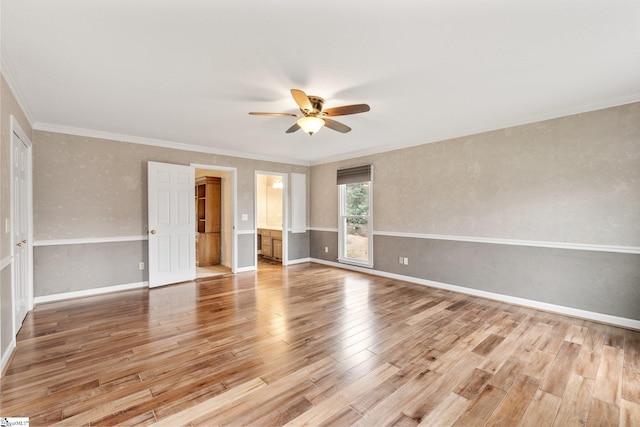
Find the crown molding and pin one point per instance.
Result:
(8, 74)
(487, 127)
(69, 130)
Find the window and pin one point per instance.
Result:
(355, 222)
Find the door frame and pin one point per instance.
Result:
(285, 215)
(234, 207)
(17, 132)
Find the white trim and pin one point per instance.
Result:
(299, 261)
(6, 262)
(246, 232)
(90, 292)
(333, 230)
(50, 127)
(246, 269)
(560, 309)
(6, 356)
(89, 240)
(8, 74)
(515, 242)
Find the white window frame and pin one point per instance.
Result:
(342, 224)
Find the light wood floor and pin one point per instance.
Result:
(314, 345)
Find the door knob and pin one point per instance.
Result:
(19, 244)
(153, 231)
(24, 241)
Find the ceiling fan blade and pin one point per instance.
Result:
(332, 124)
(293, 128)
(347, 109)
(302, 100)
(274, 114)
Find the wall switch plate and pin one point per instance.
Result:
(7, 225)
(326, 249)
(245, 217)
(400, 260)
(141, 265)
(405, 261)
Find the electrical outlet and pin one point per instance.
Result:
(245, 217)
(326, 249)
(141, 265)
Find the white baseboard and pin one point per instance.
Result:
(245, 269)
(6, 356)
(89, 292)
(569, 311)
(298, 261)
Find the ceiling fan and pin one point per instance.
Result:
(313, 116)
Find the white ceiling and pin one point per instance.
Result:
(188, 72)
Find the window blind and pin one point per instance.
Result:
(354, 174)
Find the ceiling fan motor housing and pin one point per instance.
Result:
(316, 105)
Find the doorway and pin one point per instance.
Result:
(271, 218)
(224, 262)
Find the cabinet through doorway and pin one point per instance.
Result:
(208, 214)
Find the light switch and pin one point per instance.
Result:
(245, 217)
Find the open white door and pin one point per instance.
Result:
(172, 230)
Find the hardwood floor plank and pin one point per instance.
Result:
(481, 409)
(542, 410)
(515, 403)
(603, 414)
(317, 344)
(629, 414)
(212, 405)
(608, 380)
(447, 412)
(562, 366)
(574, 408)
(331, 406)
(631, 384)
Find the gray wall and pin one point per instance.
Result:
(298, 246)
(90, 188)
(567, 181)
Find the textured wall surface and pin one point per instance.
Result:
(600, 282)
(574, 179)
(6, 310)
(298, 246)
(88, 187)
(68, 268)
(94, 188)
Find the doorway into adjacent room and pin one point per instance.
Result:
(214, 222)
(271, 219)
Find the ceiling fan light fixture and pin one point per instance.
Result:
(310, 124)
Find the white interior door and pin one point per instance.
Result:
(172, 230)
(20, 231)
